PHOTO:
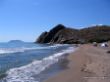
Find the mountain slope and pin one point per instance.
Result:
(64, 35)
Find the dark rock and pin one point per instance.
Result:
(53, 32)
(46, 37)
(108, 52)
(42, 37)
(63, 35)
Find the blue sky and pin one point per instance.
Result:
(27, 19)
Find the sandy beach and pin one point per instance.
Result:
(86, 64)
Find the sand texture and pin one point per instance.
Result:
(86, 64)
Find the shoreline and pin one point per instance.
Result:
(87, 64)
(42, 67)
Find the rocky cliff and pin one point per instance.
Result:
(64, 35)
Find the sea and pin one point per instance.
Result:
(30, 62)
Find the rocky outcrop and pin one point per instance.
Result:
(47, 37)
(42, 37)
(64, 35)
(59, 34)
(50, 35)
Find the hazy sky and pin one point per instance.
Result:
(26, 19)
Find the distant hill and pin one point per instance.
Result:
(64, 35)
(16, 41)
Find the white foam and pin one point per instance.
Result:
(23, 49)
(5, 51)
(26, 73)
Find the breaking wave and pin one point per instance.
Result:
(28, 72)
(23, 49)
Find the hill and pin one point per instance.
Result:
(65, 35)
(15, 41)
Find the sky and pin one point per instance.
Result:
(27, 19)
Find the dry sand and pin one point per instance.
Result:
(87, 64)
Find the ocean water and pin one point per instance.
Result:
(29, 62)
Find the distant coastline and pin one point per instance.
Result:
(16, 41)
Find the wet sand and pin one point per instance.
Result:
(86, 64)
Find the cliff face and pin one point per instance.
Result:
(42, 37)
(66, 35)
(47, 37)
(63, 35)
(59, 34)
(50, 35)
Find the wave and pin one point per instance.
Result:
(26, 73)
(23, 49)
(6, 51)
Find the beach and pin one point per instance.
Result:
(87, 64)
